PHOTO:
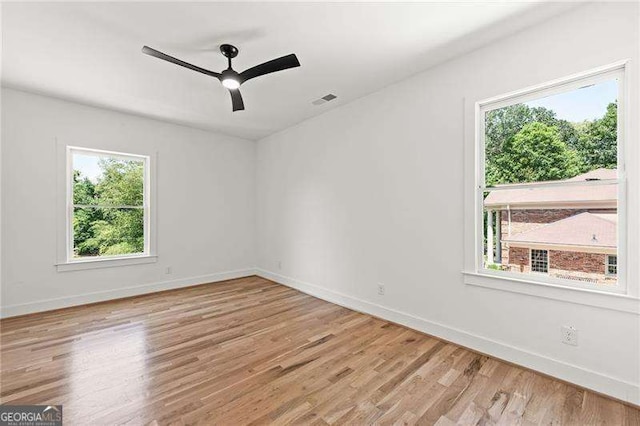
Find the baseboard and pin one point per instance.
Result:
(83, 299)
(616, 388)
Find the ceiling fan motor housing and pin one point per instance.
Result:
(230, 78)
(229, 73)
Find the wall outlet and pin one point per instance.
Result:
(381, 289)
(280, 264)
(569, 335)
(168, 270)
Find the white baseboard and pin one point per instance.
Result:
(101, 296)
(616, 388)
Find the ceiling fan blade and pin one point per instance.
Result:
(153, 52)
(236, 100)
(283, 63)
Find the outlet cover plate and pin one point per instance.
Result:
(569, 335)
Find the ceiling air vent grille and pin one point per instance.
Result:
(324, 99)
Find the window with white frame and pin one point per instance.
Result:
(540, 261)
(550, 182)
(612, 264)
(107, 205)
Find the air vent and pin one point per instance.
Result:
(324, 99)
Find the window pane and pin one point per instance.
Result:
(539, 261)
(612, 265)
(568, 232)
(104, 180)
(99, 231)
(557, 137)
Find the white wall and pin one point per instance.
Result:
(374, 192)
(205, 210)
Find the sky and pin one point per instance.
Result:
(582, 104)
(88, 166)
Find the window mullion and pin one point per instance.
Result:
(106, 206)
(550, 184)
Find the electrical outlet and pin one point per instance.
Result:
(381, 289)
(279, 264)
(167, 270)
(569, 335)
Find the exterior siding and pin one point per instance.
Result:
(593, 263)
(590, 267)
(526, 220)
(519, 257)
(575, 261)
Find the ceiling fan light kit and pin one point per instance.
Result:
(230, 78)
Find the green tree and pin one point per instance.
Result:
(84, 193)
(121, 183)
(598, 140)
(536, 153)
(503, 124)
(120, 232)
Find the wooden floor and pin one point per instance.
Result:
(250, 351)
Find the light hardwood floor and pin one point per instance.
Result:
(250, 351)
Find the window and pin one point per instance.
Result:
(612, 264)
(540, 261)
(550, 182)
(107, 205)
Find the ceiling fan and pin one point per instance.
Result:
(230, 78)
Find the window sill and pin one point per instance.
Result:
(80, 265)
(613, 301)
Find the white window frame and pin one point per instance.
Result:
(531, 261)
(614, 71)
(607, 263)
(66, 261)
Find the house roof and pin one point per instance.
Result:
(534, 196)
(597, 174)
(584, 229)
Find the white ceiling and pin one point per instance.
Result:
(90, 53)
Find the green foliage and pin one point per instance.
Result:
(104, 231)
(501, 125)
(536, 154)
(597, 143)
(84, 194)
(121, 183)
(84, 191)
(524, 144)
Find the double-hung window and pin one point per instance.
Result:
(540, 261)
(550, 196)
(612, 264)
(108, 205)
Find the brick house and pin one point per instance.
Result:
(564, 231)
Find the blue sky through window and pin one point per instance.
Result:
(88, 166)
(587, 103)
